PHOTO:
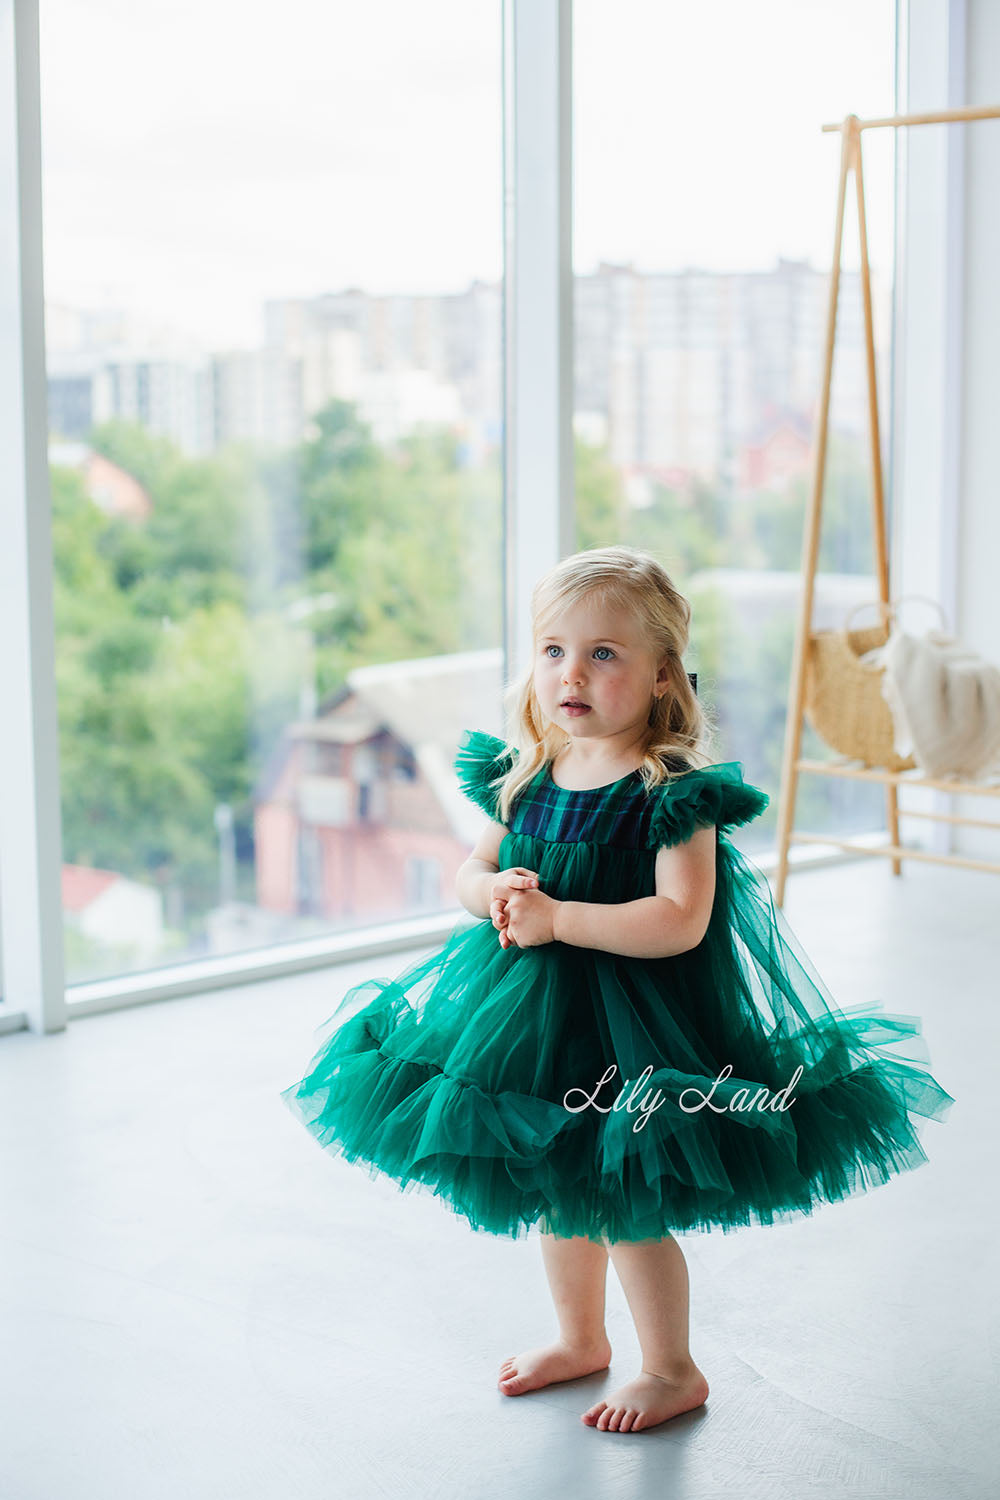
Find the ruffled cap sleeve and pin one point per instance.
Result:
(700, 798)
(481, 759)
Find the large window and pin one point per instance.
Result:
(273, 260)
(292, 275)
(704, 196)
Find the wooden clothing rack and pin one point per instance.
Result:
(792, 762)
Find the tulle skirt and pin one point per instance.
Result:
(587, 1093)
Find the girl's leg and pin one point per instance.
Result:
(577, 1274)
(654, 1278)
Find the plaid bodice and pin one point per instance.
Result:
(623, 814)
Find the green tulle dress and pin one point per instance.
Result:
(470, 1073)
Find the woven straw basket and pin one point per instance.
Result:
(843, 697)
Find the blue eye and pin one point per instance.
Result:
(553, 647)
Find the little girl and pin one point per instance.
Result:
(631, 1043)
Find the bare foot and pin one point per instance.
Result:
(647, 1400)
(558, 1361)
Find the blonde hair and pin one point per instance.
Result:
(625, 578)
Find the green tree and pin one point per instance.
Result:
(185, 641)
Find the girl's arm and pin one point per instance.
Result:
(659, 926)
(476, 878)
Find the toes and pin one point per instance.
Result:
(613, 1418)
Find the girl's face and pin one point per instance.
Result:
(596, 657)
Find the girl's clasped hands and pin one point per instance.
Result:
(522, 914)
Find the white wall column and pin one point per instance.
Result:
(929, 337)
(978, 437)
(947, 536)
(31, 923)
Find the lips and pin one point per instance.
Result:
(574, 706)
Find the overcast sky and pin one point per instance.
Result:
(202, 155)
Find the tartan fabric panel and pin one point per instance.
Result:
(618, 815)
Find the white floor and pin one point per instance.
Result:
(195, 1299)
